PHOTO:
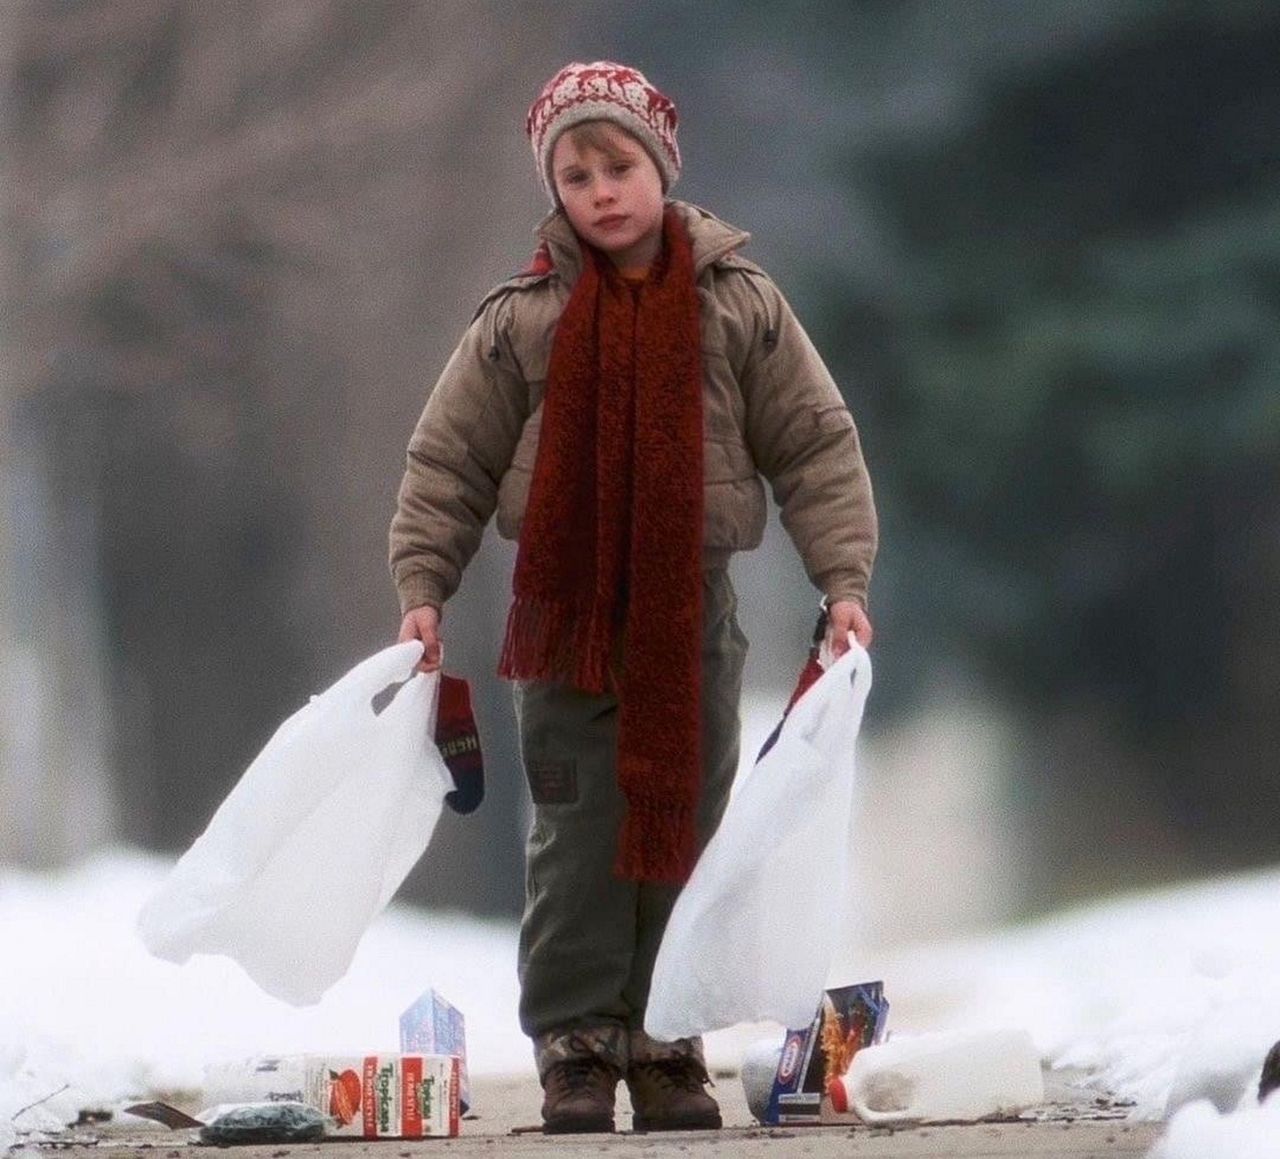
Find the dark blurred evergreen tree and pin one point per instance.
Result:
(1039, 246)
(1074, 389)
(1078, 391)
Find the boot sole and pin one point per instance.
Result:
(582, 1125)
(687, 1123)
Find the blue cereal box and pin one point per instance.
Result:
(848, 1018)
(433, 1026)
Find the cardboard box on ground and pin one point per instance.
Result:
(387, 1096)
(823, 1073)
(432, 1025)
(848, 1018)
(373, 1096)
(420, 1092)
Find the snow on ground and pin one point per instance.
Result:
(83, 1002)
(1199, 1131)
(1169, 997)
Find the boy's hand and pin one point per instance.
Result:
(843, 617)
(423, 624)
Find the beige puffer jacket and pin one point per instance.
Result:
(770, 408)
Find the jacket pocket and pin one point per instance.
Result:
(723, 408)
(734, 505)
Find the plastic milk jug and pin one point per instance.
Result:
(953, 1075)
(759, 1066)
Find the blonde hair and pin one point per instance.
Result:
(595, 135)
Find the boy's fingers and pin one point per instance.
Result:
(862, 630)
(430, 655)
(848, 616)
(423, 624)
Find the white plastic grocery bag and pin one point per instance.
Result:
(315, 838)
(753, 933)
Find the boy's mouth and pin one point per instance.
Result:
(611, 220)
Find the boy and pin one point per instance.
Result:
(616, 405)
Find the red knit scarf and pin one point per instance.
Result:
(610, 555)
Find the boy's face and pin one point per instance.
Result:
(613, 199)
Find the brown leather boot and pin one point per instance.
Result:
(667, 1095)
(578, 1096)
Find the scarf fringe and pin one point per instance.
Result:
(554, 640)
(657, 841)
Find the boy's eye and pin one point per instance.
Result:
(621, 167)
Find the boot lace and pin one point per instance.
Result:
(578, 1070)
(682, 1074)
(577, 1073)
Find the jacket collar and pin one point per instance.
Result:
(712, 239)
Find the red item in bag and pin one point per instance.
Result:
(458, 740)
(809, 675)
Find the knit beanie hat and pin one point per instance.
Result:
(604, 91)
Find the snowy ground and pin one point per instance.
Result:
(1168, 997)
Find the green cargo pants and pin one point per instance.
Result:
(589, 939)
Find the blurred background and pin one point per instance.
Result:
(1038, 242)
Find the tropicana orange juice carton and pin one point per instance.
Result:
(372, 1096)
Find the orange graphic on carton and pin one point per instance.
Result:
(344, 1096)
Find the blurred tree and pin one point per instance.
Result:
(244, 237)
(1075, 384)
(1036, 242)
(1038, 246)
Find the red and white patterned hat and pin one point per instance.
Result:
(604, 91)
